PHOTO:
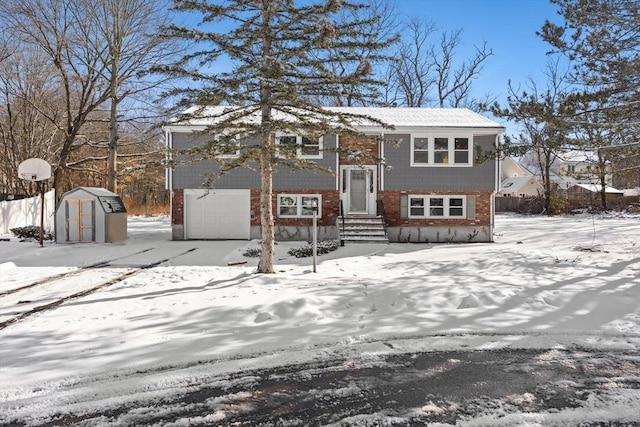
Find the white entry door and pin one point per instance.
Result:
(358, 194)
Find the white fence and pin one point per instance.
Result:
(20, 213)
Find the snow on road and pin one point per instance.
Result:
(545, 283)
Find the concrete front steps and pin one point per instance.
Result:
(361, 229)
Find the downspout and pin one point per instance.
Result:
(338, 172)
(168, 175)
(496, 187)
(381, 166)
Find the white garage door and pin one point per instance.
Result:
(221, 214)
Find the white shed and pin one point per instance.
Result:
(90, 214)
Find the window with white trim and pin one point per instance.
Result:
(226, 147)
(302, 146)
(299, 205)
(441, 150)
(450, 207)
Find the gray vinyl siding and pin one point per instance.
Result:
(194, 175)
(401, 176)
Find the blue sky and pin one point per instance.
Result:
(509, 28)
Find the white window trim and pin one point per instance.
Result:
(298, 205)
(446, 208)
(228, 156)
(451, 137)
(299, 146)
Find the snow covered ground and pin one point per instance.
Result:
(545, 283)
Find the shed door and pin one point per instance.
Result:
(221, 214)
(80, 220)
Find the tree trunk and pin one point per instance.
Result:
(265, 265)
(603, 189)
(112, 159)
(547, 184)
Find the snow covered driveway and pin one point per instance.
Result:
(547, 283)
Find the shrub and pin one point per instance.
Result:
(324, 246)
(252, 253)
(31, 232)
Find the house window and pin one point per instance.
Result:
(461, 150)
(226, 147)
(298, 205)
(310, 148)
(437, 207)
(287, 145)
(300, 146)
(441, 150)
(421, 150)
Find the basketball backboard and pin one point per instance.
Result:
(34, 169)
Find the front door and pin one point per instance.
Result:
(358, 190)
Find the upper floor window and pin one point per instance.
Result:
(226, 147)
(303, 147)
(441, 150)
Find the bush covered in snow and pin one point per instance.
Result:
(324, 246)
(31, 232)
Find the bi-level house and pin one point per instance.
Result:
(429, 186)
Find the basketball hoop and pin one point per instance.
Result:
(36, 170)
(29, 176)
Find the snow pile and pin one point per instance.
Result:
(533, 287)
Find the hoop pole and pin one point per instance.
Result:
(41, 185)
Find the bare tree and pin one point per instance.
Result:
(29, 112)
(454, 80)
(61, 31)
(412, 74)
(100, 51)
(126, 28)
(427, 72)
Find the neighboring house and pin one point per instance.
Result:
(517, 181)
(430, 188)
(570, 167)
(521, 186)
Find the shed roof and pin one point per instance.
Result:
(109, 201)
(96, 191)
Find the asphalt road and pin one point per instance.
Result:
(414, 389)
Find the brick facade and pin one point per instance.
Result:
(330, 208)
(368, 146)
(391, 201)
(177, 207)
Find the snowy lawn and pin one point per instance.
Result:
(544, 283)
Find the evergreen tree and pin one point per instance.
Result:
(278, 57)
(602, 39)
(542, 112)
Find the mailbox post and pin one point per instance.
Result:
(315, 232)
